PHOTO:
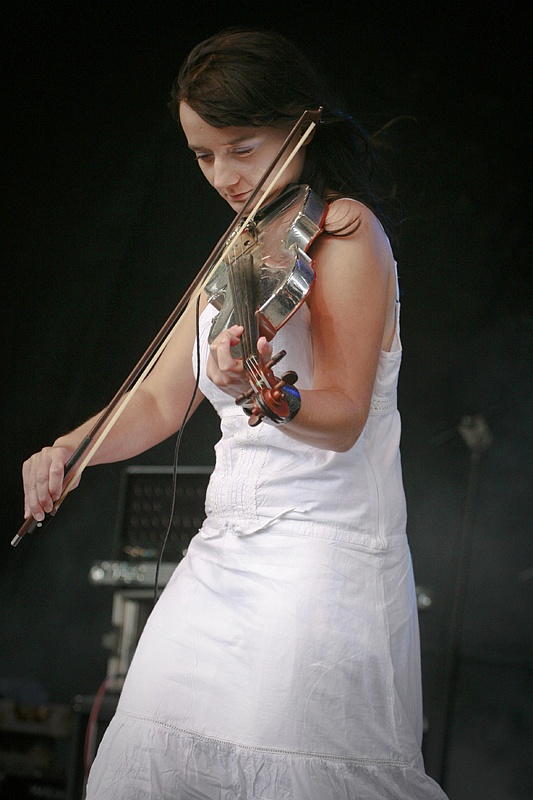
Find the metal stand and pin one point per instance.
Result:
(478, 438)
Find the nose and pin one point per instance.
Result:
(224, 175)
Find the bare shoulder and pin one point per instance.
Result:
(346, 210)
(346, 214)
(356, 271)
(353, 234)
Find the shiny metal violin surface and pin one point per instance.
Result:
(262, 282)
(277, 240)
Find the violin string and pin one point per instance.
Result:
(241, 282)
(247, 282)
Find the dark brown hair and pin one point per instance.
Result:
(242, 77)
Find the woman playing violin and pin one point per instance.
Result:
(282, 658)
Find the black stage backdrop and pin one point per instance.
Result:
(106, 221)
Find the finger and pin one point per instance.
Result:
(32, 504)
(49, 477)
(224, 372)
(236, 332)
(221, 351)
(264, 349)
(42, 476)
(56, 475)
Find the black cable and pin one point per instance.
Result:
(176, 451)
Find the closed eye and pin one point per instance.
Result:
(241, 152)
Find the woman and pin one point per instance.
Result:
(282, 659)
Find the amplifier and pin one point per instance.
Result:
(129, 574)
(146, 502)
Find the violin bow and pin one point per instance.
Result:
(90, 444)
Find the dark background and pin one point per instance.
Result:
(106, 221)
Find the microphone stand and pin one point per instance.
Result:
(476, 434)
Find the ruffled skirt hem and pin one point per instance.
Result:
(140, 759)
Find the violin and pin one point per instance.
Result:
(258, 275)
(263, 283)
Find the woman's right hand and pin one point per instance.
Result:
(42, 476)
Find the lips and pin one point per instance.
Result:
(237, 198)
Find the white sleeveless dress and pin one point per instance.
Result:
(282, 660)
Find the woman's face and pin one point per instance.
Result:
(234, 159)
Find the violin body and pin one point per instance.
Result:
(277, 241)
(262, 283)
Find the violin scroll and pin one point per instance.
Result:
(277, 399)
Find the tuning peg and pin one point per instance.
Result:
(274, 360)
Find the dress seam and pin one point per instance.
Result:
(365, 762)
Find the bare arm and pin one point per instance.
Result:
(155, 412)
(352, 315)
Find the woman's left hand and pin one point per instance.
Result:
(226, 371)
